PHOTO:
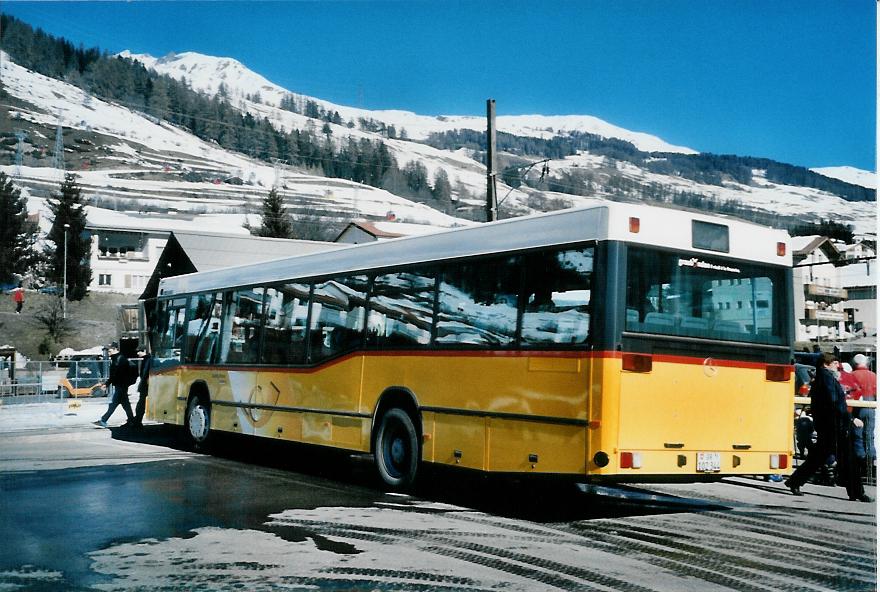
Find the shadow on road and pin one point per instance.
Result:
(532, 498)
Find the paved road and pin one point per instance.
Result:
(91, 509)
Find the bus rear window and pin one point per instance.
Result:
(678, 294)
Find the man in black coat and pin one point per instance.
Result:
(832, 423)
(143, 390)
(120, 378)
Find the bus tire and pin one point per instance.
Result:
(198, 421)
(396, 449)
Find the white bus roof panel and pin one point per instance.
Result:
(662, 227)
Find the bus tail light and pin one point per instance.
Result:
(637, 363)
(780, 249)
(630, 460)
(778, 373)
(634, 224)
(778, 461)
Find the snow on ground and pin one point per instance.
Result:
(417, 545)
(56, 413)
(850, 175)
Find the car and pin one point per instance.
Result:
(53, 290)
(85, 378)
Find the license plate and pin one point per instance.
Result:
(708, 462)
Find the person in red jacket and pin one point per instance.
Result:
(18, 298)
(868, 381)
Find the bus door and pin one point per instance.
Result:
(557, 308)
(167, 347)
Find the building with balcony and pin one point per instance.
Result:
(835, 290)
(859, 278)
(818, 311)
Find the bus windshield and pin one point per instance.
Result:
(698, 296)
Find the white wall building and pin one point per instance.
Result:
(859, 278)
(122, 259)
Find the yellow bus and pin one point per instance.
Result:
(612, 343)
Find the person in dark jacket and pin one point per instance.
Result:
(143, 390)
(119, 378)
(832, 422)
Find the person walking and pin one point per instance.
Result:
(868, 381)
(143, 390)
(832, 423)
(120, 377)
(18, 298)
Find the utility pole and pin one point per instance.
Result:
(64, 301)
(491, 195)
(19, 152)
(58, 161)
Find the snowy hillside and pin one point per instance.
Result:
(160, 175)
(136, 146)
(850, 175)
(206, 73)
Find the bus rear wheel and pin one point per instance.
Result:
(396, 449)
(198, 421)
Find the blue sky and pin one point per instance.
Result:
(793, 80)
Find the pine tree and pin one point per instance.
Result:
(17, 236)
(159, 103)
(442, 190)
(276, 220)
(68, 209)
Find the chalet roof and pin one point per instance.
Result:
(386, 230)
(208, 250)
(189, 252)
(802, 246)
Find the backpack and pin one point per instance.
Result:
(130, 374)
(126, 372)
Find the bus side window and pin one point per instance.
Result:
(478, 303)
(172, 315)
(242, 317)
(557, 297)
(401, 309)
(287, 308)
(203, 327)
(338, 311)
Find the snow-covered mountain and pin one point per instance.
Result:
(142, 161)
(207, 73)
(130, 161)
(850, 175)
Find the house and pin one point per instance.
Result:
(364, 231)
(122, 259)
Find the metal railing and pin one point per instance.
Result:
(44, 380)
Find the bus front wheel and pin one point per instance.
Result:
(198, 421)
(396, 449)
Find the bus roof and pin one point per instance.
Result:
(657, 226)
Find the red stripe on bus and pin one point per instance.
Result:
(608, 354)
